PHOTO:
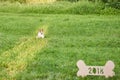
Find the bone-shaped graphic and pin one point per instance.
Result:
(106, 70)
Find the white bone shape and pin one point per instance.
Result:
(106, 70)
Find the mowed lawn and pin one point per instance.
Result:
(68, 38)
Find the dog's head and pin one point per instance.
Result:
(41, 30)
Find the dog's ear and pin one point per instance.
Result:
(42, 30)
(39, 30)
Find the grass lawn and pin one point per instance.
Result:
(69, 38)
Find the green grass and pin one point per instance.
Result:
(69, 38)
(62, 7)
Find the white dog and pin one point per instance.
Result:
(40, 34)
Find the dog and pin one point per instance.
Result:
(40, 34)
